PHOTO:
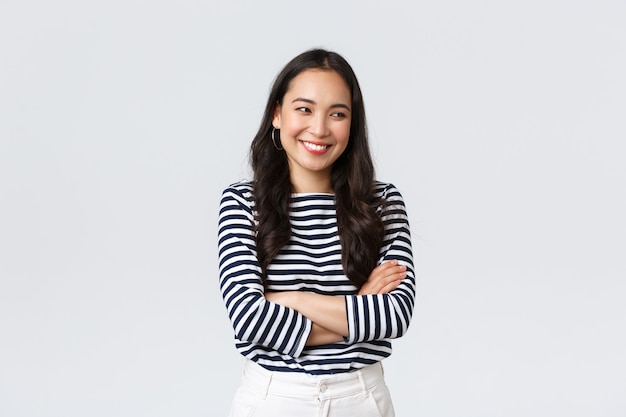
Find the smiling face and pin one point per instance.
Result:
(314, 121)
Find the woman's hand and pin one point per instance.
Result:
(384, 278)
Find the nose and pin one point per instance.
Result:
(319, 126)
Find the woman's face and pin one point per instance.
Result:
(314, 121)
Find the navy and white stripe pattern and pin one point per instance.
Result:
(274, 336)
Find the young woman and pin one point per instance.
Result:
(314, 254)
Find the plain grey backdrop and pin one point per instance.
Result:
(502, 122)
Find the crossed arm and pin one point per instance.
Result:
(328, 312)
(287, 321)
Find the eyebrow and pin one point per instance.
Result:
(308, 100)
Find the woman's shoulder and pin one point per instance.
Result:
(239, 187)
(240, 191)
(386, 190)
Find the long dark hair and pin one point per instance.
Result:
(352, 179)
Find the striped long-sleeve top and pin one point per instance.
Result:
(274, 336)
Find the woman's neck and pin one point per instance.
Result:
(312, 184)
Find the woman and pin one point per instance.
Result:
(315, 255)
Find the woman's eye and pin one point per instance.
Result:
(304, 109)
(339, 114)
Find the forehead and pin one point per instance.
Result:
(319, 84)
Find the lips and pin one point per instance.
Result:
(313, 147)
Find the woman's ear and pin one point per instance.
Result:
(276, 118)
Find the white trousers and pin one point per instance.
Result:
(264, 393)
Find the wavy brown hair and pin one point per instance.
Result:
(352, 179)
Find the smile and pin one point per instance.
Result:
(313, 147)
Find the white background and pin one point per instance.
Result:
(503, 124)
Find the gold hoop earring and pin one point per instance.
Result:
(274, 139)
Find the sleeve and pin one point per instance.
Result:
(254, 319)
(386, 316)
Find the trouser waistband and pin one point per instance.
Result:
(301, 385)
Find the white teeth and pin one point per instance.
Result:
(315, 147)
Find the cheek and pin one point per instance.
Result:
(343, 134)
(292, 124)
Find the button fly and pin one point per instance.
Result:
(323, 388)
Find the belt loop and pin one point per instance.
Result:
(362, 382)
(266, 388)
(258, 376)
